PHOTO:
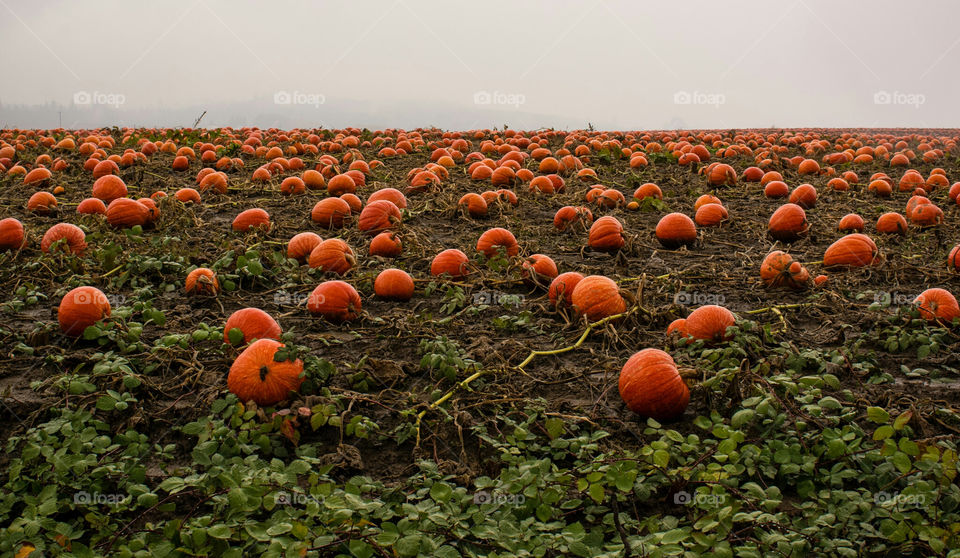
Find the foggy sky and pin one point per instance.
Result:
(462, 65)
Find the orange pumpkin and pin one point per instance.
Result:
(539, 268)
(337, 301)
(474, 204)
(333, 255)
(301, 245)
(561, 288)
(568, 215)
(341, 184)
(705, 200)
(252, 219)
(779, 269)
(81, 308)
(73, 237)
(804, 195)
(606, 235)
(254, 323)
(710, 323)
(394, 284)
(42, 203)
(722, 174)
(492, 240)
(648, 190)
(109, 187)
(892, 223)
(788, 223)
(854, 250)
(597, 297)
(187, 195)
(330, 212)
(257, 376)
(92, 206)
(11, 234)
(675, 230)
(650, 385)
(391, 195)
(38, 177)
(926, 215)
(125, 212)
(202, 281)
(937, 304)
(710, 215)
(776, 189)
(292, 185)
(851, 222)
(386, 244)
(378, 216)
(953, 259)
(453, 262)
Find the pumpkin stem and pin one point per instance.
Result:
(263, 373)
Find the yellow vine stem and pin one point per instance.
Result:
(533, 354)
(775, 308)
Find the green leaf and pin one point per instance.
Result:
(92, 332)
(883, 432)
(235, 335)
(878, 415)
(106, 403)
(902, 462)
(441, 492)
(220, 532)
(596, 492)
(554, 426)
(674, 536)
(741, 417)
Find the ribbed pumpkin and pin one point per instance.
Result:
(926, 215)
(341, 184)
(109, 187)
(648, 190)
(187, 195)
(854, 250)
(202, 281)
(776, 189)
(492, 240)
(254, 323)
(394, 284)
(124, 212)
(38, 177)
(332, 255)
(330, 212)
(953, 259)
(153, 212)
(11, 234)
(539, 268)
(386, 244)
(292, 185)
(561, 288)
(788, 223)
(391, 195)
(722, 174)
(257, 376)
(568, 215)
(650, 385)
(217, 181)
(301, 245)
(73, 237)
(92, 206)
(851, 222)
(252, 219)
(675, 230)
(937, 304)
(355, 203)
(710, 323)
(597, 297)
(804, 195)
(336, 301)
(710, 215)
(474, 204)
(779, 269)
(378, 216)
(81, 308)
(452, 262)
(42, 203)
(892, 223)
(606, 234)
(704, 200)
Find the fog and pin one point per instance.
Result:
(462, 65)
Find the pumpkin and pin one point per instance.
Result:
(892, 223)
(386, 244)
(92, 206)
(926, 215)
(710, 323)
(937, 304)
(187, 195)
(453, 262)
(330, 212)
(648, 190)
(378, 216)
(301, 245)
(252, 219)
(109, 187)
(73, 237)
(722, 174)
(776, 189)
(567, 215)
(561, 288)
(215, 180)
(710, 215)
(355, 203)
(881, 188)
(492, 240)
(341, 184)
(312, 179)
(153, 212)
(125, 212)
(333, 255)
(804, 195)
(42, 203)
(675, 230)
(650, 385)
(838, 184)
(788, 223)
(539, 268)
(752, 174)
(391, 195)
(851, 222)
(11, 234)
(953, 259)
(202, 281)
(704, 200)
(394, 284)
(597, 297)
(337, 301)
(606, 235)
(610, 199)
(257, 376)
(678, 327)
(81, 308)
(38, 177)
(854, 250)
(292, 185)
(253, 323)
(808, 166)
(474, 204)
(780, 270)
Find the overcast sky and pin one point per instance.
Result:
(460, 65)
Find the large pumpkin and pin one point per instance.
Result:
(709, 323)
(539, 269)
(73, 237)
(378, 216)
(11, 234)
(675, 230)
(788, 223)
(710, 215)
(386, 244)
(606, 234)
(330, 212)
(333, 255)
(854, 250)
(394, 284)
(597, 297)
(257, 376)
(851, 222)
(92, 206)
(252, 219)
(780, 270)
(568, 215)
(301, 245)
(125, 212)
(81, 308)
(109, 187)
(254, 323)
(937, 304)
(492, 240)
(892, 223)
(337, 301)
(650, 385)
(561, 288)
(453, 262)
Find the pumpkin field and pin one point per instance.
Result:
(496, 342)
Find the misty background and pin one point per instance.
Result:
(464, 65)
